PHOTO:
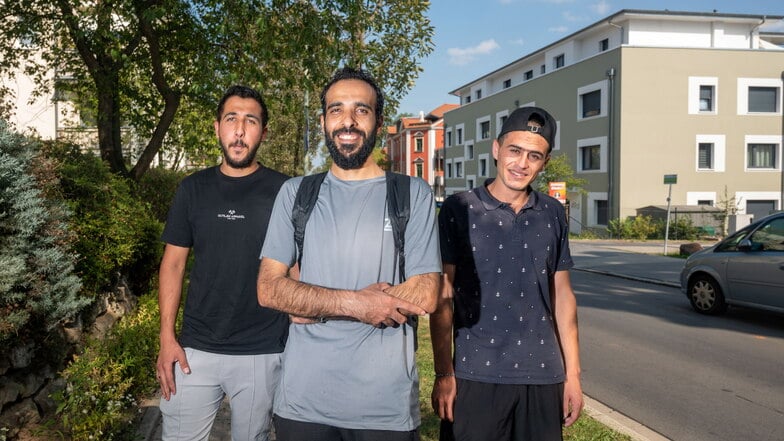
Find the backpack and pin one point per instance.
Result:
(398, 209)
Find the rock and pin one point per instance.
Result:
(5, 364)
(9, 391)
(20, 414)
(44, 398)
(21, 356)
(687, 249)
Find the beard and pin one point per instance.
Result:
(244, 162)
(349, 161)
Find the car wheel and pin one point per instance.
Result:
(705, 295)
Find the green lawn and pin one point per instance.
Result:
(586, 428)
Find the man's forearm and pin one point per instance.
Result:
(302, 299)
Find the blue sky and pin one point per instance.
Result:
(474, 37)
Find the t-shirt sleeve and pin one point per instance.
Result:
(421, 247)
(564, 253)
(178, 229)
(279, 243)
(447, 230)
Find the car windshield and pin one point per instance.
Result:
(731, 243)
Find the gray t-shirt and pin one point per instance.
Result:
(342, 373)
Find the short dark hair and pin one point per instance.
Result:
(243, 92)
(349, 73)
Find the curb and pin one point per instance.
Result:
(635, 278)
(620, 422)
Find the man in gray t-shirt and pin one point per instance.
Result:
(351, 373)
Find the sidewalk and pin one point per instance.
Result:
(641, 261)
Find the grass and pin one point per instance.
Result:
(585, 429)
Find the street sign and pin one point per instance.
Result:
(670, 179)
(558, 191)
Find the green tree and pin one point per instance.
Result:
(39, 290)
(558, 169)
(137, 63)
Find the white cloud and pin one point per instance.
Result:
(601, 7)
(558, 29)
(461, 56)
(518, 42)
(569, 16)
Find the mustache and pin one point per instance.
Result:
(345, 130)
(238, 143)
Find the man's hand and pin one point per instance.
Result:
(171, 353)
(573, 401)
(375, 307)
(443, 397)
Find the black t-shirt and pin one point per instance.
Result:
(224, 220)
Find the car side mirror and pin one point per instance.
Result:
(745, 245)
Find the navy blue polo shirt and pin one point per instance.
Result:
(505, 263)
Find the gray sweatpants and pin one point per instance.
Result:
(248, 380)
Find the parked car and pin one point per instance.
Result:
(745, 269)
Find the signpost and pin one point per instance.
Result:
(669, 180)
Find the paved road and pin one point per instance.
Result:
(646, 354)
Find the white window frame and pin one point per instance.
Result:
(498, 124)
(468, 150)
(479, 121)
(448, 169)
(743, 94)
(560, 57)
(600, 86)
(692, 197)
(461, 163)
(459, 130)
(486, 158)
(761, 139)
(592, 214)
(694, 95)
(601, 141)
(470, 182)
(719, 152)
(448, 137)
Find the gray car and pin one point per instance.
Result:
(745, 269)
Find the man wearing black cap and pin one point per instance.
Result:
(507, 300)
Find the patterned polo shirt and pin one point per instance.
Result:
(505, 262)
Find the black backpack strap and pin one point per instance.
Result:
(307, 194)
(399, 209)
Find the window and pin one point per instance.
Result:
(419, 169)
(706, 98)
(484, 129)
(468, 99)
(448, 169)
(482, 167)
(418, 144)
(542, 69)
(469, 151)
(459, 169)
(759, 96)
(558, 61)
(590, 157)
(528, 75)
(604, 45)
(601, 212)
(763, 99)
(761, 156)
(459, 135)
(705, 202)
(469, 183)
(710, 154)
(479, 94)
(449, 138)
(705, 156)
(703, 95)
(500, 118)
(591, 103)
(507, 83)
(592, 100)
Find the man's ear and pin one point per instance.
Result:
(216, 125)
(496, 147)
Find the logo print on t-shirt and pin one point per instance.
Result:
(231, 215)
(387, 224)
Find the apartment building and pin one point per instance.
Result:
(639, 95)
(414, 147)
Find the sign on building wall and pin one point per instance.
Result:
(558, 191)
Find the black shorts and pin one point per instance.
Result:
(505, 412)
(291, 430)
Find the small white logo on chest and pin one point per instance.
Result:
(387, 224)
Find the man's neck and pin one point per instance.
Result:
(368, 170)
(515, 199)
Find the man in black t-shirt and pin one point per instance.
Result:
(228, 344)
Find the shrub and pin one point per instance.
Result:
(38, 286)
(117, 233)
(681, 228)
(157, 187)
(106, 380)
(639, 228)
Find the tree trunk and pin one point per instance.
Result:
(109, 140)
(172, 103)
